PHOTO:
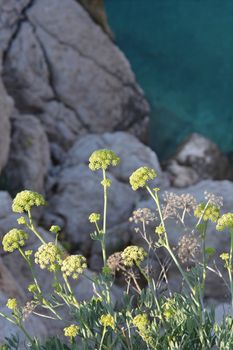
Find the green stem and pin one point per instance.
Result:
(73, 346)
(203, 213)
(7, 318)
(105, 203)
(230, 267)
(74, 300)
(48, 306)
(128, 338)
(102, 242)
(183, 215)
(33, 229)
(44, 301)
(31, 268)
(167, 245)
(156, 199)
(204, 258)
(25, 333)
(147, 278)
(102, 339)
(103, 246)
(179, 267)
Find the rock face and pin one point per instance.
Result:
(196, 159)
(29, 154)
(11, 12)
(75, 81)
(6, 104)
(133, 154)
(7, 218)
(74, 181)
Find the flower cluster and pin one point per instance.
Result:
(48, 256)
(12, 304)
(188, 248)
(102, 159)
(173, 203)
(14, 239)
(133, 255)
(141, 176)
(115, 262)
(94, 217)
(168, 308)
(25, 200)
(55, 229)
(107, 321)
(106, 182)
(226, 257)
(226, 221)
(74, 265)
(210, 212)
(71, 331)
(28, 309)
(142, 215)
(32, 287)
(160, 230)
(21, 220)
(143, 325)
(141, 321)
(214, 199)
(28, 253)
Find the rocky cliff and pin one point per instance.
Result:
(66, 90)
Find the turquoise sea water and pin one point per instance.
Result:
(182, 54)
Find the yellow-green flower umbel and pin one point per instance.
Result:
(74, 266)
(12, 304)
(94, 217)
(107, 321)
(55, 229)
(225, 222)
(211, 212)
(143, 325)
(25, 200)
(71, 331)
(14, 239)
(141, 176)
(102, 159)
(133, 255)
(224, 256)
(49, 256)
(141, 321)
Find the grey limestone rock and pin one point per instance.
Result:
(197, 159)
(61, 67)
(29, 156)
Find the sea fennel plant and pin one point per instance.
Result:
(149, 314)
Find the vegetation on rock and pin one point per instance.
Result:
(149, 315)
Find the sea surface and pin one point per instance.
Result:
(182, 54)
